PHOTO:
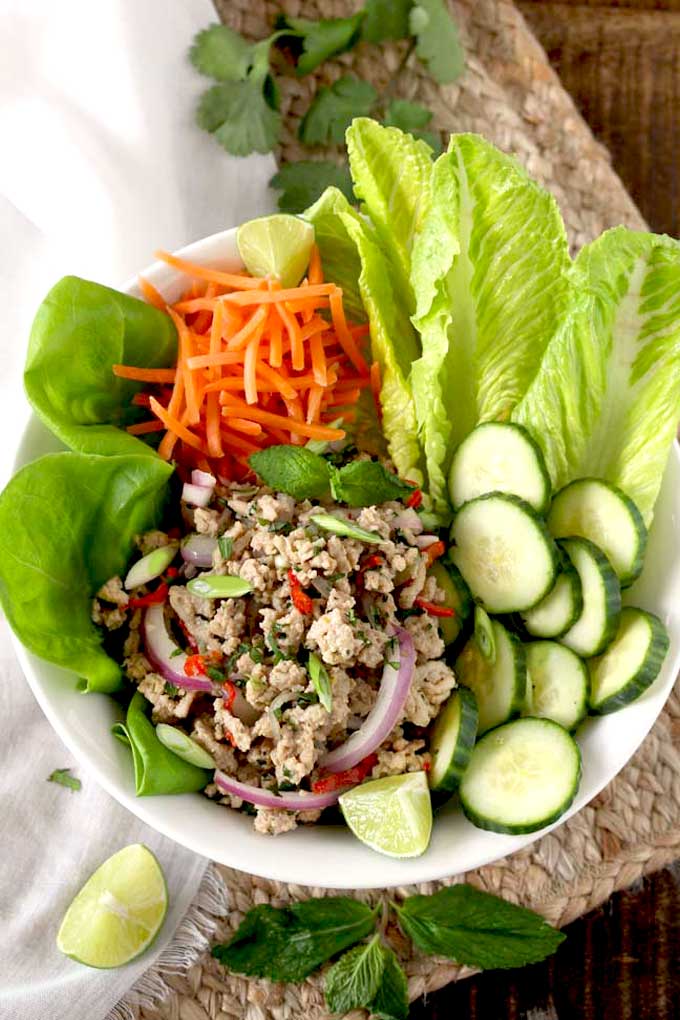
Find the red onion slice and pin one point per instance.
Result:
(295, 801)
(162, 653)
(203, 478)
(197, 495)
(198, 549)
(408, 518)
(386, 712)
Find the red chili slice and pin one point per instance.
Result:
(432, 609)
(350, 777)
(194, 666)
(158, 595)
(301, 599)
(229, 693)
(415, 499)
(433, 552)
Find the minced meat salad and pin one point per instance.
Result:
(319, 605)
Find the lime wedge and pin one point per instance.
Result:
(278, 246)
(118, 912)
(391, 815)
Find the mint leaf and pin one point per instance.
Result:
(64, 778)
(240, 118)
(322, 39)
(321, 682)
(354, 980)
(437, 41)
(301, 183)
(292, 469)
(367, 483)
(221, 53)
(477, 928)
(386, 19)
(333, 109)
(391, 999)
(289, 943)
(412, 117)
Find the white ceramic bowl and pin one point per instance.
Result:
(329, 855)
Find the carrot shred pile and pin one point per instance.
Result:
(257, 365)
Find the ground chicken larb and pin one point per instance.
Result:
(312, 591)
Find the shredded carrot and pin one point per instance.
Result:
(212, 426)
(283, 294)
(249, 428)
(284, 386)
(142, 427)
(150, 294)
(314, 404)
(255, 323)
(376, 383)
(255, 414)
(249, 369)
(297, 351)
(212, 275)
(347, 341)
(175, 426)
(319, 364)
(315, 272)
(149, 375)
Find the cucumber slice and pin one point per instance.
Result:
(458, 598)
(453, 738)
(504, 551)
(555, 614)
(594, 509)
(484, 634)
(500, 686)
(558, 684)
(596, 626)
(499, 457)
(631, 663)
(521, 776)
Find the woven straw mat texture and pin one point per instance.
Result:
(510, 94)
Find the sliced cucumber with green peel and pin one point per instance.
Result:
(452, 740)
(521, 776)
(499, 457)
(596, 626)
(499, 687)
(458, 598)
(592, 508)
(484, 634)
(560, 609)
(630, 664)
(504, 552)
(558, 684)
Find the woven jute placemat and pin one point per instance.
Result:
(510, 94)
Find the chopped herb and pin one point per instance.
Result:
(64, 778)
(335, 577)
(171, 690)
(215, 674)
(281, 527)
(307, 698)
(285, 787)
(351, 615)
(248, 809)
(321, 681)
(226, 546)
(173, 655)
(393, 664)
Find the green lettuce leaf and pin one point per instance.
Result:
(67, 524)
(80, 331)
(157, 769)
(391, 173)
(339, 255)
(606, 399)
(490, 271)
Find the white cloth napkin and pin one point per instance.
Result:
(101, 163)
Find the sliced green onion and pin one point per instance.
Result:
(184, 747)
(484, 637)
(218, 586)
(226, 546)
(345, 528)
(321, 682)
(321, 445)
(151, 566)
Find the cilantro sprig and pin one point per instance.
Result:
(64, 778)
(460, 923)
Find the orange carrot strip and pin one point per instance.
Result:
(360, 331)
(212, 426)
(346, 339)
(167, 445)
(185, 350)
(242, 338)
(235, 443)
(275, 345)
(203, 320)
(175, 426)
(212, 275)
(150, 375)
(297, 351)
(319, 365)
(150, 294)
(249, 428)
(230, 382)
(266, 418)
(142, 427)
(346, 397)
(376, 382)
(315, 271)
(315, 325)
(215, 360)
(314, 404)
(249, 367)
(274, 296)
(285, 387)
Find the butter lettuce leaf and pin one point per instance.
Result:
(391, 173)
(67, 524)
(606, 399)
(80, 330)
(490, 270)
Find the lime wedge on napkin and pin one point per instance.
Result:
(278, 246)
(118, 912)
(391, 815)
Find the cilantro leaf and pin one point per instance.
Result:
(437, 41)
(292, 469)
(322, 39)
(477, 928)
(392, 996)
(64, 778)
(301, 183)
(333, 109)
(386, 19)
(220, 53)
(412, 117)
(289, 943)
(354, 980)
(367, 483)
(238, 115)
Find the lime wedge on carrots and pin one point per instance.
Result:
(391, 815)
(278, 246)
(118, 912)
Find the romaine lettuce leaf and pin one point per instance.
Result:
(339, 256)
(490, 271)
(391, 173)
(81, 329)
(606, 399)
(67, 524)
